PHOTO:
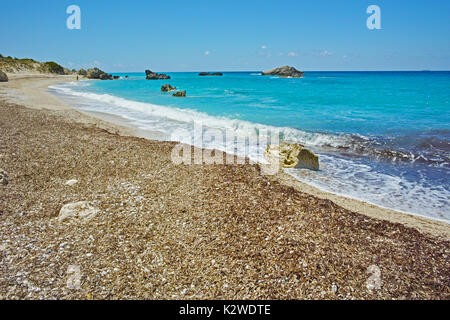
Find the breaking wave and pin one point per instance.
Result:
(430, 150)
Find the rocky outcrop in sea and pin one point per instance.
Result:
(96, 73)
(180, 94)
(292, 155)
(210, 74)
(150, 75)
(167, 88)
(284, 72)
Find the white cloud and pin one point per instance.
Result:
(344, 57)
(207, 52)
(263, 46)
(292, 54)
(325, 53)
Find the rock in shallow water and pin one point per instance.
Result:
(167, 88)
(180, 94)
(150, 75)
(292, 155)
(308, 160)
(81, 211)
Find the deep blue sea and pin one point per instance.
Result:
(382, 137)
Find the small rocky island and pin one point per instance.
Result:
(180, 94)
(167, 88)
(284, 72)
(150, 75)
(210, 74)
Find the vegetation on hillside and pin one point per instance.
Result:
(15, 65)
(51, 67)
(12, 65)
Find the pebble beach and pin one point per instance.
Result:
(166, 231)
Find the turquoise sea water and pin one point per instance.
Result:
(382, 137)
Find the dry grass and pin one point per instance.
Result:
(167, 231)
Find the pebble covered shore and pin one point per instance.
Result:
(166, 231)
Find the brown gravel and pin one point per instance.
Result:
(182, 232)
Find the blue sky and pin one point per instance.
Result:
(199, 35)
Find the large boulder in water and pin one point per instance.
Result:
(105, 76)
(150, 75)
(285, 72)
(96, 73)
(292, 155)
(180, 94)
(3, 77)
(167, 88)
(308, 160)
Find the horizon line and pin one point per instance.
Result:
(236, 71)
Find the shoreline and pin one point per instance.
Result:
(31, 90)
